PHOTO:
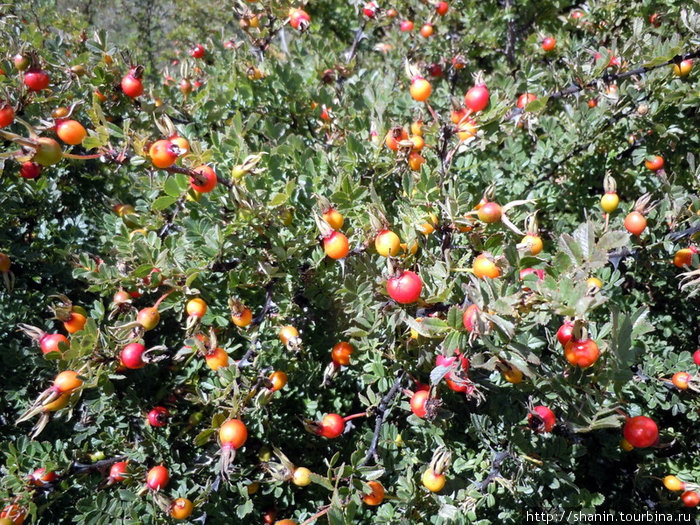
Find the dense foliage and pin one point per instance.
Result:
(500, 243)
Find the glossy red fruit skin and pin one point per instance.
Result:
(690, 498)
(641, 431)
(210, 180)
(116, 473)
(158, 417)
(198, 51)
(132, 356)
(132, 87)
(157, 478)
(582, 353)
(406, 288)
(548, 44)
(418, 400)
(370, 9)
(696, 357)
(331, 426)
(30, 170)
(7, 114)
(49, 342)
(36, 79)
(565, 333)
(442, 8)
(547, 416)
(477, 98)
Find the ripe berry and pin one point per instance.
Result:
(582, 353)
(299, 19)
(116, 473)
(40, 477)
(217, 358)
(641, 431)
(331, 426)
(655, 163)
(696, 357)
(681, 380)
(341, 352)
(469, 317)
(198, 51)
(196, 307)
(406, 288)
(418, 400)
(49, 342)
(420, 89)
(288, 334)
(71, 132)
(131, 84)
(565, 333)
(30, 170)
(441, 8)
(375, 497)
(406, 26)
(36, 79)
(635, 223)
(181, 509)
(690, 498)
(7, 114)
(548, 44)
(157, 478)
(394, 136)
(477, 98)
(541, 419)
(336, 245)
(233, 434)
(484, 267)
(163, 153)
(158, 417)
(525, 99)
(370, 9)
(75, 323)
(334, 218)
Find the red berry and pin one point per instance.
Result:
(331, 426)
(418, 401)
(36, 79)
(157, 478)
(406, 288)
(641, 431)
(131, 84)
(30, 170)
(132, 356)
(116, 473)
(541, 419)
(158, 417)
(49, 342)
(477, 98)
(198, 51)
(565, 332)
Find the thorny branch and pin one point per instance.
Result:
(381, 414)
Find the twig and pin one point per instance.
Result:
(100, 466)
(612, 77)
(381, 414)
(495, 472)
